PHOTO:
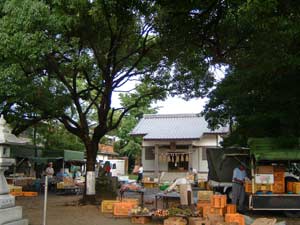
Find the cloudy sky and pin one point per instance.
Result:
(174, 104)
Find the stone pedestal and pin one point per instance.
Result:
(9, 213)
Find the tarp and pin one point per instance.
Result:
(222, 161)
(68, 155)
(23, 151)
(275, 149)
(73, 155)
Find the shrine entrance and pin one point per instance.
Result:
(178, 161)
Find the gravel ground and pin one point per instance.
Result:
(65, 210)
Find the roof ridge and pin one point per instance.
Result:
(180, 115)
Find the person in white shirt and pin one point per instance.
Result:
(49, 170)
(140, 174)
(238, 191)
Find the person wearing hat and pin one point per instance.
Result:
(238, 191)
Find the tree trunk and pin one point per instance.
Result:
(89, 196)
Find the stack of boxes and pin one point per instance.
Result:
(279, 182)
(216, 210)
(119, 208)
(268, 179)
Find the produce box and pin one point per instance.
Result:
(198, 221)
(175, 221)
(30, 193)
(140, 219)
(231, 208)
(227, 223)
(204, 195)
(290, 186)
(214, 219)
(16, 193)
(296, 187)
(107, 206)
(218, 201)
(60, 185)
(235, 217)
(217, 211)
(136, 201)
(122, 209)
(201, 204)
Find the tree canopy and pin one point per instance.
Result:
(258, 43)
(62, 60)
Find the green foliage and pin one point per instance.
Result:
(260, 96)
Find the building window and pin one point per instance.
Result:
(149, 153)
(204, 156)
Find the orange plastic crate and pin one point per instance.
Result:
(200, 204)
(140, 219)
(235, 217)
(231, 208)
(290, 186)
(16, 193)
(123, 209)
(218, 201)
(206, 210)
(279, 187)
(296, 187)
(30, 193)
(218, 211)
(133, 200)
(107, 206)
(248, 187)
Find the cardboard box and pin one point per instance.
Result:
(175, 221)
(204, 195)
(214, 219)
(264, 170)
(140, 219)
(198, 221)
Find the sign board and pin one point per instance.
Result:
(264, 178)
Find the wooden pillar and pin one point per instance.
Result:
(156, 165)
(190, 151)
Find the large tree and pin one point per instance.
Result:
(260, 96)
(258, 41)
(63, 59)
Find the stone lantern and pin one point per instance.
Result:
(9, 213)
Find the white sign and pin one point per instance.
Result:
(90, 183)
(264, 178)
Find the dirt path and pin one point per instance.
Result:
(63, 210)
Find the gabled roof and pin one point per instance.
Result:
(173, 126)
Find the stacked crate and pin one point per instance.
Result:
(218, 205)
(235, 218)
(279, 182)
(296, 187)
(289, 187)
(122, 209)
(204, 204)
(107, 206)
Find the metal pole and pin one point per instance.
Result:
(45, 200)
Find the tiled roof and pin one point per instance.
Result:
(173, 126)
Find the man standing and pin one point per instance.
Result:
(140, 174)
(238, 191)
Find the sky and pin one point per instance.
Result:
(176, 105)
